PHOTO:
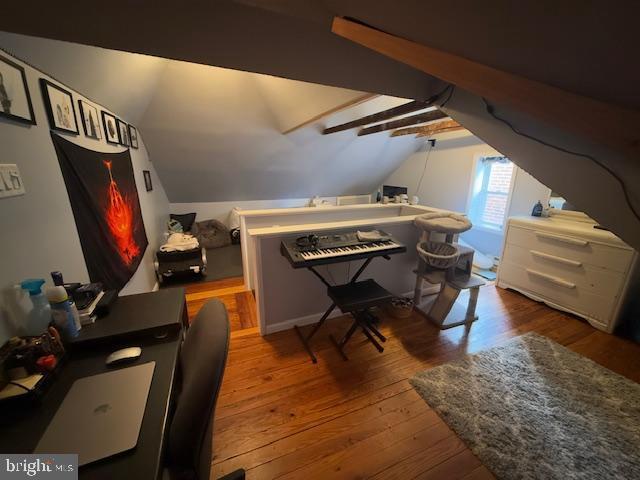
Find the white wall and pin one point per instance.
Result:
(447, 182)
(38, 233)
(220, 210)
(122, 82)
(216, 136)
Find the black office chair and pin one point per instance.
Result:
(201, 368)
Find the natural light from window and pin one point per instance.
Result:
(490, 193)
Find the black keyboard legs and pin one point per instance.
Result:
(306, 340)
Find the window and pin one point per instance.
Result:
(490, 192)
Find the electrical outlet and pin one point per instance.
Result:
(10, 181)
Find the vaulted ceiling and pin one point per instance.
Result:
(217, 134)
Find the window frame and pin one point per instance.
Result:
(477, 159)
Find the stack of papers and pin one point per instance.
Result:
(86, 314)
(373, 236)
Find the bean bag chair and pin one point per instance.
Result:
(211, 234)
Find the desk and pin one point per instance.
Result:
(137, 316)
(21, 429)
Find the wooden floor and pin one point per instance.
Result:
(241, 305)
(280, 416)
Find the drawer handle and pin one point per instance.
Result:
(564, 261)
(552, 279)
(559, 238)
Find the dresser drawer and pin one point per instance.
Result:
(557, 289)
(596, 279)
(571, 248)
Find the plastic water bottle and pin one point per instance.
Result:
(65, 314)
(40, 315)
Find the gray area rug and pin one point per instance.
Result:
(532, 409)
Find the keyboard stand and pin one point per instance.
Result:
(336, 289)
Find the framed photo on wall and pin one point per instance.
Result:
(123, 133)
(89, 118)
(15, 100)
(133, 136)
(147, 180)
(60, 108)
(110, 128)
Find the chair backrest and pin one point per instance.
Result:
(201, 368)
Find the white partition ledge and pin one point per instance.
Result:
(281, 217)
(286, 296)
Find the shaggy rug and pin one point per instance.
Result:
(532, 409)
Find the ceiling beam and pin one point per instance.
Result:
(403, 122)
(443, 130)
(595, 120)
(429, 129)
(380, 116)
(351, 103)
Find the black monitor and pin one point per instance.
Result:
(391, 191)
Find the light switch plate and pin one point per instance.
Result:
(10, 181)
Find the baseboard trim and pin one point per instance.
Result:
(313, 318)
(300, 321)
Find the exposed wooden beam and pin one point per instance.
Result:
(442, 130)
(380, 116)
(403, 122)
(595, 120)
(343, 106)
(429, 129)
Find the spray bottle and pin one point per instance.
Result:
(40, 315)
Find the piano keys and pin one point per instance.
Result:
(337, 248)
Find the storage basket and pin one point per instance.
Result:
(400, 307)
(439, 255)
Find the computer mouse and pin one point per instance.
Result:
(124, 355)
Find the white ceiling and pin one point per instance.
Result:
(215, 134)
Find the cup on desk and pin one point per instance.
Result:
(385, 199)
(397, 199)
(415, 200)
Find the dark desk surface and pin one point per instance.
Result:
(137, 315)
(21, 429)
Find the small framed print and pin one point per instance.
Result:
(147, 180)
(15, 100)
(123, 133)
(89, 118)
(110, 128)
(133, 136)
(60, 108)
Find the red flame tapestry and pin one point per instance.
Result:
(104, 200)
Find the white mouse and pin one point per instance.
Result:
(124, 355)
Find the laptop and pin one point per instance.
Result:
(101, 415)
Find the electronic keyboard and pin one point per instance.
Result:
(336, 248)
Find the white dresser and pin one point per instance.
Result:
(570, 265)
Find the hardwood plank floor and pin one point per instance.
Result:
(239, 302)
(281, 416)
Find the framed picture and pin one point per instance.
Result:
(147, 180)
(123, 133)
(110, 128)
(89, 117)
(60, 108)
(133, 136)
(15, 100)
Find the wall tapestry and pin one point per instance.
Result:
(105, 205)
